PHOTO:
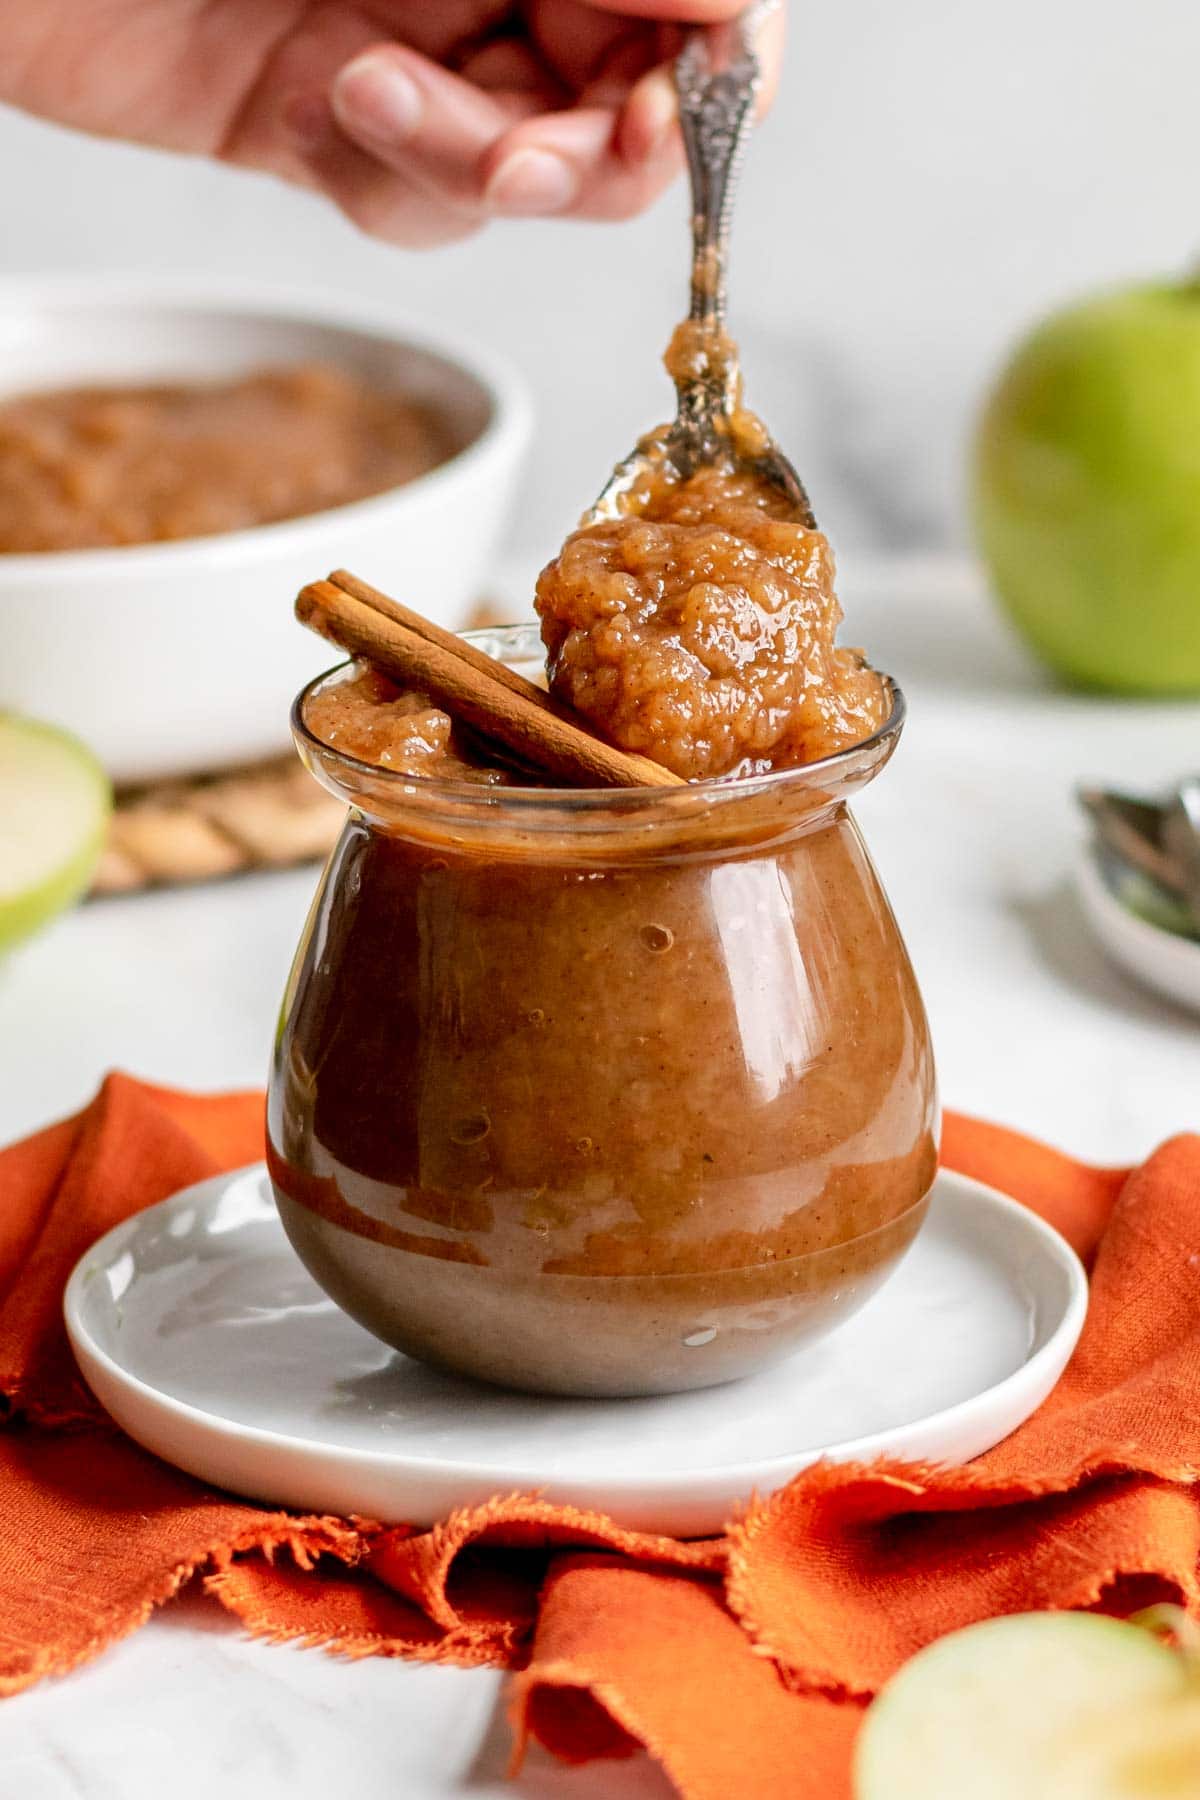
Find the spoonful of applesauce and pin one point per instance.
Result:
(717, 79)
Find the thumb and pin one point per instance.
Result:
(685, 12)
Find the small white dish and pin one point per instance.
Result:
(1160, 959)
(185, 655)
(197, 1328)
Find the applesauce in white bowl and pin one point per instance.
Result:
(169, 657)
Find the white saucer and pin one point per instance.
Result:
(1161, 959)
(198, 1329)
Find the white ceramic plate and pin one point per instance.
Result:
(1158, 958)
(198, 1329)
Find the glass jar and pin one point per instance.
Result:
(603, 1092)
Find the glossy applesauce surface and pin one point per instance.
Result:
(610, 1117)
(699, 630)
(369, 717)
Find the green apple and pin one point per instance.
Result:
(1038, 1706)
(54, 807)
(1087, 490)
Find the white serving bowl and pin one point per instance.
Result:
(168, 658)
(1158, 958)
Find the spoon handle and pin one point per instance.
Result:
(716, 108)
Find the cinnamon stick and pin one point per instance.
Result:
(487, 666)
(471, 686)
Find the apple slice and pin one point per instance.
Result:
(1037, 1706)
(54, 805)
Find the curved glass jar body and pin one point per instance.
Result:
(603, 1092)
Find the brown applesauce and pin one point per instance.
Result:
(699, 630)
(699, 633)
(698, 627)
(369, 717)
(84, 468)
(596, 1092)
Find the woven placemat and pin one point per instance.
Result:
(267, 816)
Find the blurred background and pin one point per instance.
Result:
(933, 176)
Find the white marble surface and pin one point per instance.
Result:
(972, 826)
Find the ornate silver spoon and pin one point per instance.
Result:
(717, 79)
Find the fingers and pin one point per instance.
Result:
(507, 66)
(769, 41)
(373, 196)
(420, 121)
(420, 154)
(687, 12)
(577, 40)
(484, 151)
(651, 109)
(592, 179)
(648, 118)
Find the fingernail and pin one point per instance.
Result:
(373, 98)
(660, 120)
(530, 182)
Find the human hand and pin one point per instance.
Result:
(421, 122)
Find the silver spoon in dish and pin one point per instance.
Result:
(1160, 839)
(717, 79)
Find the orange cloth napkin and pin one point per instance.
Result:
(741, 1663)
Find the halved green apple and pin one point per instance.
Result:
(54, 806)
(1037, 1706)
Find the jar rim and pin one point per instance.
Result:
(844, 768)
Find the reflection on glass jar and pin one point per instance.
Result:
(601, 1093)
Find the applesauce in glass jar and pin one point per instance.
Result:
(601, 1092)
